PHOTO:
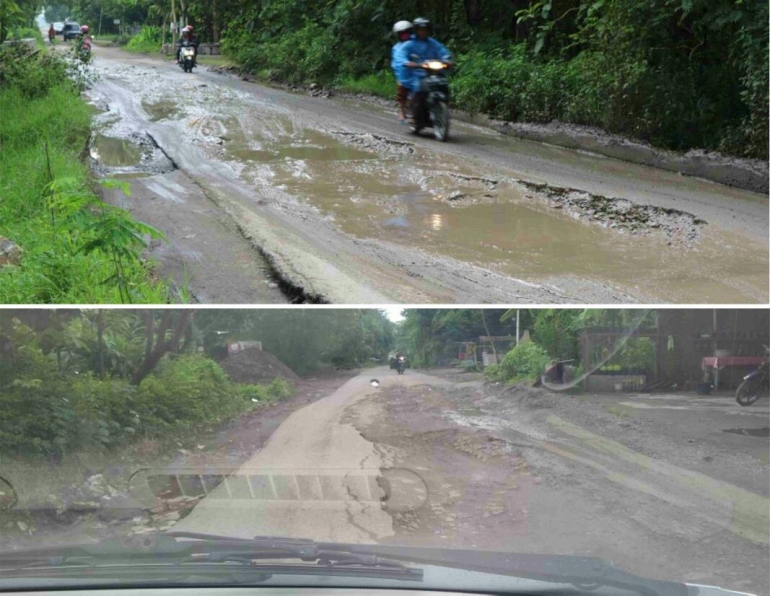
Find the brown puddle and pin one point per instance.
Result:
(161, 110)
(310, 145)
(114, 152)
(417, 201)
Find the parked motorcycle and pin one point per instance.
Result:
(401, 365)
(754, 385)
(430, 105)
(187, 57)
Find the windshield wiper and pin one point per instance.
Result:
(192, 552)
(180, 553)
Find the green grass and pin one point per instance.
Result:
(214, 60)
(146, 46)
(381, 84)
(53, 268)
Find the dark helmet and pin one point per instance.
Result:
(421, 23)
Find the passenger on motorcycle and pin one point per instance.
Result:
(421, 48)
(404, 32)
(188, 37)
(83, 44)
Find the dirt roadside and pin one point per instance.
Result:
(500, 474)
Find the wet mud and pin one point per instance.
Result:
(397, 195)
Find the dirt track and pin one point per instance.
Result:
(330, 200)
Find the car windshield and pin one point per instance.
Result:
(485, 449)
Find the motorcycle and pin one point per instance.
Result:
(430, 106)
(187, 57)
(82, 50)
(401, 365)
(754, 385)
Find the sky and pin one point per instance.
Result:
(394, 313)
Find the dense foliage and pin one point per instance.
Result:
(68, 380)
(679, 73)
(305, 340)
(436, 337)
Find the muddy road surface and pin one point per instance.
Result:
(432, 460)
(267, 195)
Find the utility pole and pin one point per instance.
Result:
(517, 327)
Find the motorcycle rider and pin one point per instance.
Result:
(83, 41)
(421, 48)
(404, 32)
(51, 33)
(188, 37)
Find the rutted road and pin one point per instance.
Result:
(332, 201)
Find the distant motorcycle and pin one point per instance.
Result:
(401, 365)
(187, 57)
(754, 385)
(430, 106)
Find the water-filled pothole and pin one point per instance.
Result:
(762, 432)
(113, 152)
(163, 109)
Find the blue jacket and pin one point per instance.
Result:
(400, 71)
(420, 50)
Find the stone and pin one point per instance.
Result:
(10, 253)
(167, 517)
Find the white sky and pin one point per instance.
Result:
(394, 313)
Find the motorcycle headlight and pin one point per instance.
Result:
(435, 65)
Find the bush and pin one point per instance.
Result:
(43, 412)
(44, 128)
(525, 362)
(147, 41)
(185, 390)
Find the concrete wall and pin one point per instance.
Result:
(204, 49)
(609, 383)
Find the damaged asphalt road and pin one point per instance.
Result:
(270, 196)
(662, 493)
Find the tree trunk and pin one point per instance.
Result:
(473, 12)
(100, 340)
(491, 341)
(149, 332)
(214, 22)
(163, 345)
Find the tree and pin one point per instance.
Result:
(170, 331)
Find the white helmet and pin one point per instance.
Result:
(402, 27)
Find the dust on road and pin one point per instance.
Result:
(339, 205)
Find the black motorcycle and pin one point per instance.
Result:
(401, 365)
(187, 56)
(754, 385)
(430, 105)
